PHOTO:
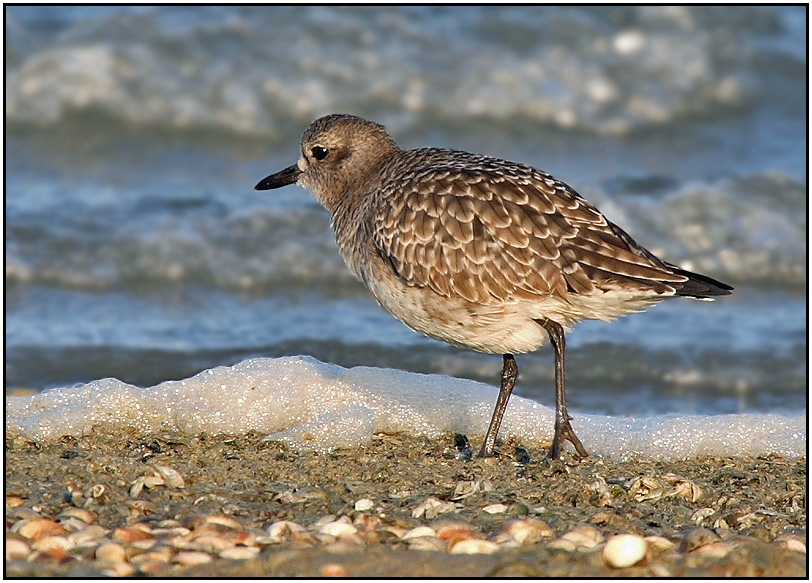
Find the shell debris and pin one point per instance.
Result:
(624, 550)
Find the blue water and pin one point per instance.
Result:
(137, 248)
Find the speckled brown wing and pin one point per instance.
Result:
(491, 231)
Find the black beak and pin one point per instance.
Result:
(280, 179)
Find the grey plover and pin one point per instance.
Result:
(486, 254)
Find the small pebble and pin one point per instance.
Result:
(624, 550)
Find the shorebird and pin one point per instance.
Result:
(482, 253)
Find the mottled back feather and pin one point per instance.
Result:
(491, 231)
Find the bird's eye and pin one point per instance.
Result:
(319, 152)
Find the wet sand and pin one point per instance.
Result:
(141, 505)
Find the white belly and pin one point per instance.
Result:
(501, 328)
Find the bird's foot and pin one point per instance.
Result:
(564, 432)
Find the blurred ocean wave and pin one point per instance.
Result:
(250, 70)
(728, 229)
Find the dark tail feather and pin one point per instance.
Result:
(700, 286)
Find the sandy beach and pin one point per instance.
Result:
(174, 505)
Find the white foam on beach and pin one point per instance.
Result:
(315, 406)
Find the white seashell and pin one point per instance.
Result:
(225, 521)
(37, 528)
(418, 532)
(111, 552)
(326, 520)
(495, 508)
(137, 487)
(53, 543)
(794, 545)
(338, 529)
(73, 524)
(153, 481)
(334, 570)
(647, 488)
(160, 555)
(431, 508)
(364, 504)
(212, 543)
(686, 489)
(562, 544)
(658, 544)
(96, 491)
(426, 543)
(89, 535)
(171, 476)
(701, 514)
(240, 553)
(190, 558)
(713, 550)
(119, 570)
(465, 489)
(131, 534)
(473, 546)
(79, 513)
(584, 537)
(16, 550)
(282, 530)
(526, 531)
(624, 550)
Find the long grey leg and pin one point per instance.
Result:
(563, 429)
(510, 372)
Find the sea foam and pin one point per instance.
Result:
(311, 405)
